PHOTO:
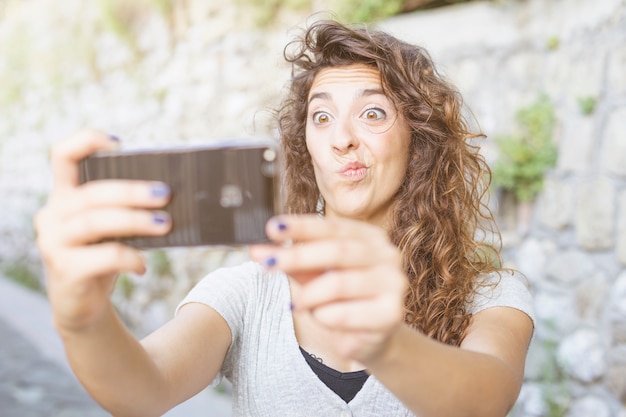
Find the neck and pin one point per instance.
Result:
(381, 218)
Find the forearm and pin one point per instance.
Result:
(114, 368)
(433, 379)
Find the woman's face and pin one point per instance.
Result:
(358, 142)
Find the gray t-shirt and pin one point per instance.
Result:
(270, 376)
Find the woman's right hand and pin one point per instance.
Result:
(80, 269)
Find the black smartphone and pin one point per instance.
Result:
(221, 194)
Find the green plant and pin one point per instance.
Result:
(165, 7)
(367, 10)
(553, 43)
(556, 396)
(20, 272)
(160, 263)
(125, 285)
(587, 105)
(15, 46)
(265, 11)
(120, 17)
(350, 11)
(345, 10)
(526, 155)
(12, 90)
(554, 380)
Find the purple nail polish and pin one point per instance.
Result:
(282, 226)
(160, 218)
(114, 138)
(292, 307)
(159, 190)
(271, 261)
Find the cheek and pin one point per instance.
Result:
(312, 152)
(315, 147)
(397, 163)
(316, 161)
(398, 173)
(309, 140)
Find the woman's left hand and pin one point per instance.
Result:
(350, 278)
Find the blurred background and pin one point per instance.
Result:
(544, 79)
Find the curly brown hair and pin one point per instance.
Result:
(440, 209)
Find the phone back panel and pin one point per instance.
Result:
(220, 195)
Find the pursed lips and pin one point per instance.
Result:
(353, 170)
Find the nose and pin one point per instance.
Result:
(345, 136)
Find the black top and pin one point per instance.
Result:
(344, 384)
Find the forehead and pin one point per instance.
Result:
(357, 75)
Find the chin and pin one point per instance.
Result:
(356, 213)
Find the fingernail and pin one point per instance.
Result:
(160, 217)
(114, 138)
(271, 261)
(292, 306)
(281, 226)
(159, 190)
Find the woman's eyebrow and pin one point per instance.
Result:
(362, 93)
(371, 92)
(321, 95)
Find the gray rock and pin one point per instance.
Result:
(588, 406)
(615, 143)
(616, 380)
(531, 401)
(532, 257)
(582, 355)
(595, 214)
(555, 203)
(570, 267)
(557, 315)
(591, 296)
(618, 298)
(616, 73)
(621, 228)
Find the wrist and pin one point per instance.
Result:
(68, 328)
(390, 351)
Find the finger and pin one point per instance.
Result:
(97, 260)
(265, 254)
(326, 254)
(336, 286)
(67, 153)
(258, 251)
(309, 227)
(113, 193)
(358, 346)
(316, 256)
(360, 315)
(96, 225)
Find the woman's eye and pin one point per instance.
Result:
(321, 117)
(374, 114)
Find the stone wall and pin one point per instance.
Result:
(205, 72)
(572, 251)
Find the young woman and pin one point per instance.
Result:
(377, 298)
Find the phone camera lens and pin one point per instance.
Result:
(269, 155)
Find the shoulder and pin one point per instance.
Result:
(237, 292)
(232, 286)
(503, 289)
(228, 277)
